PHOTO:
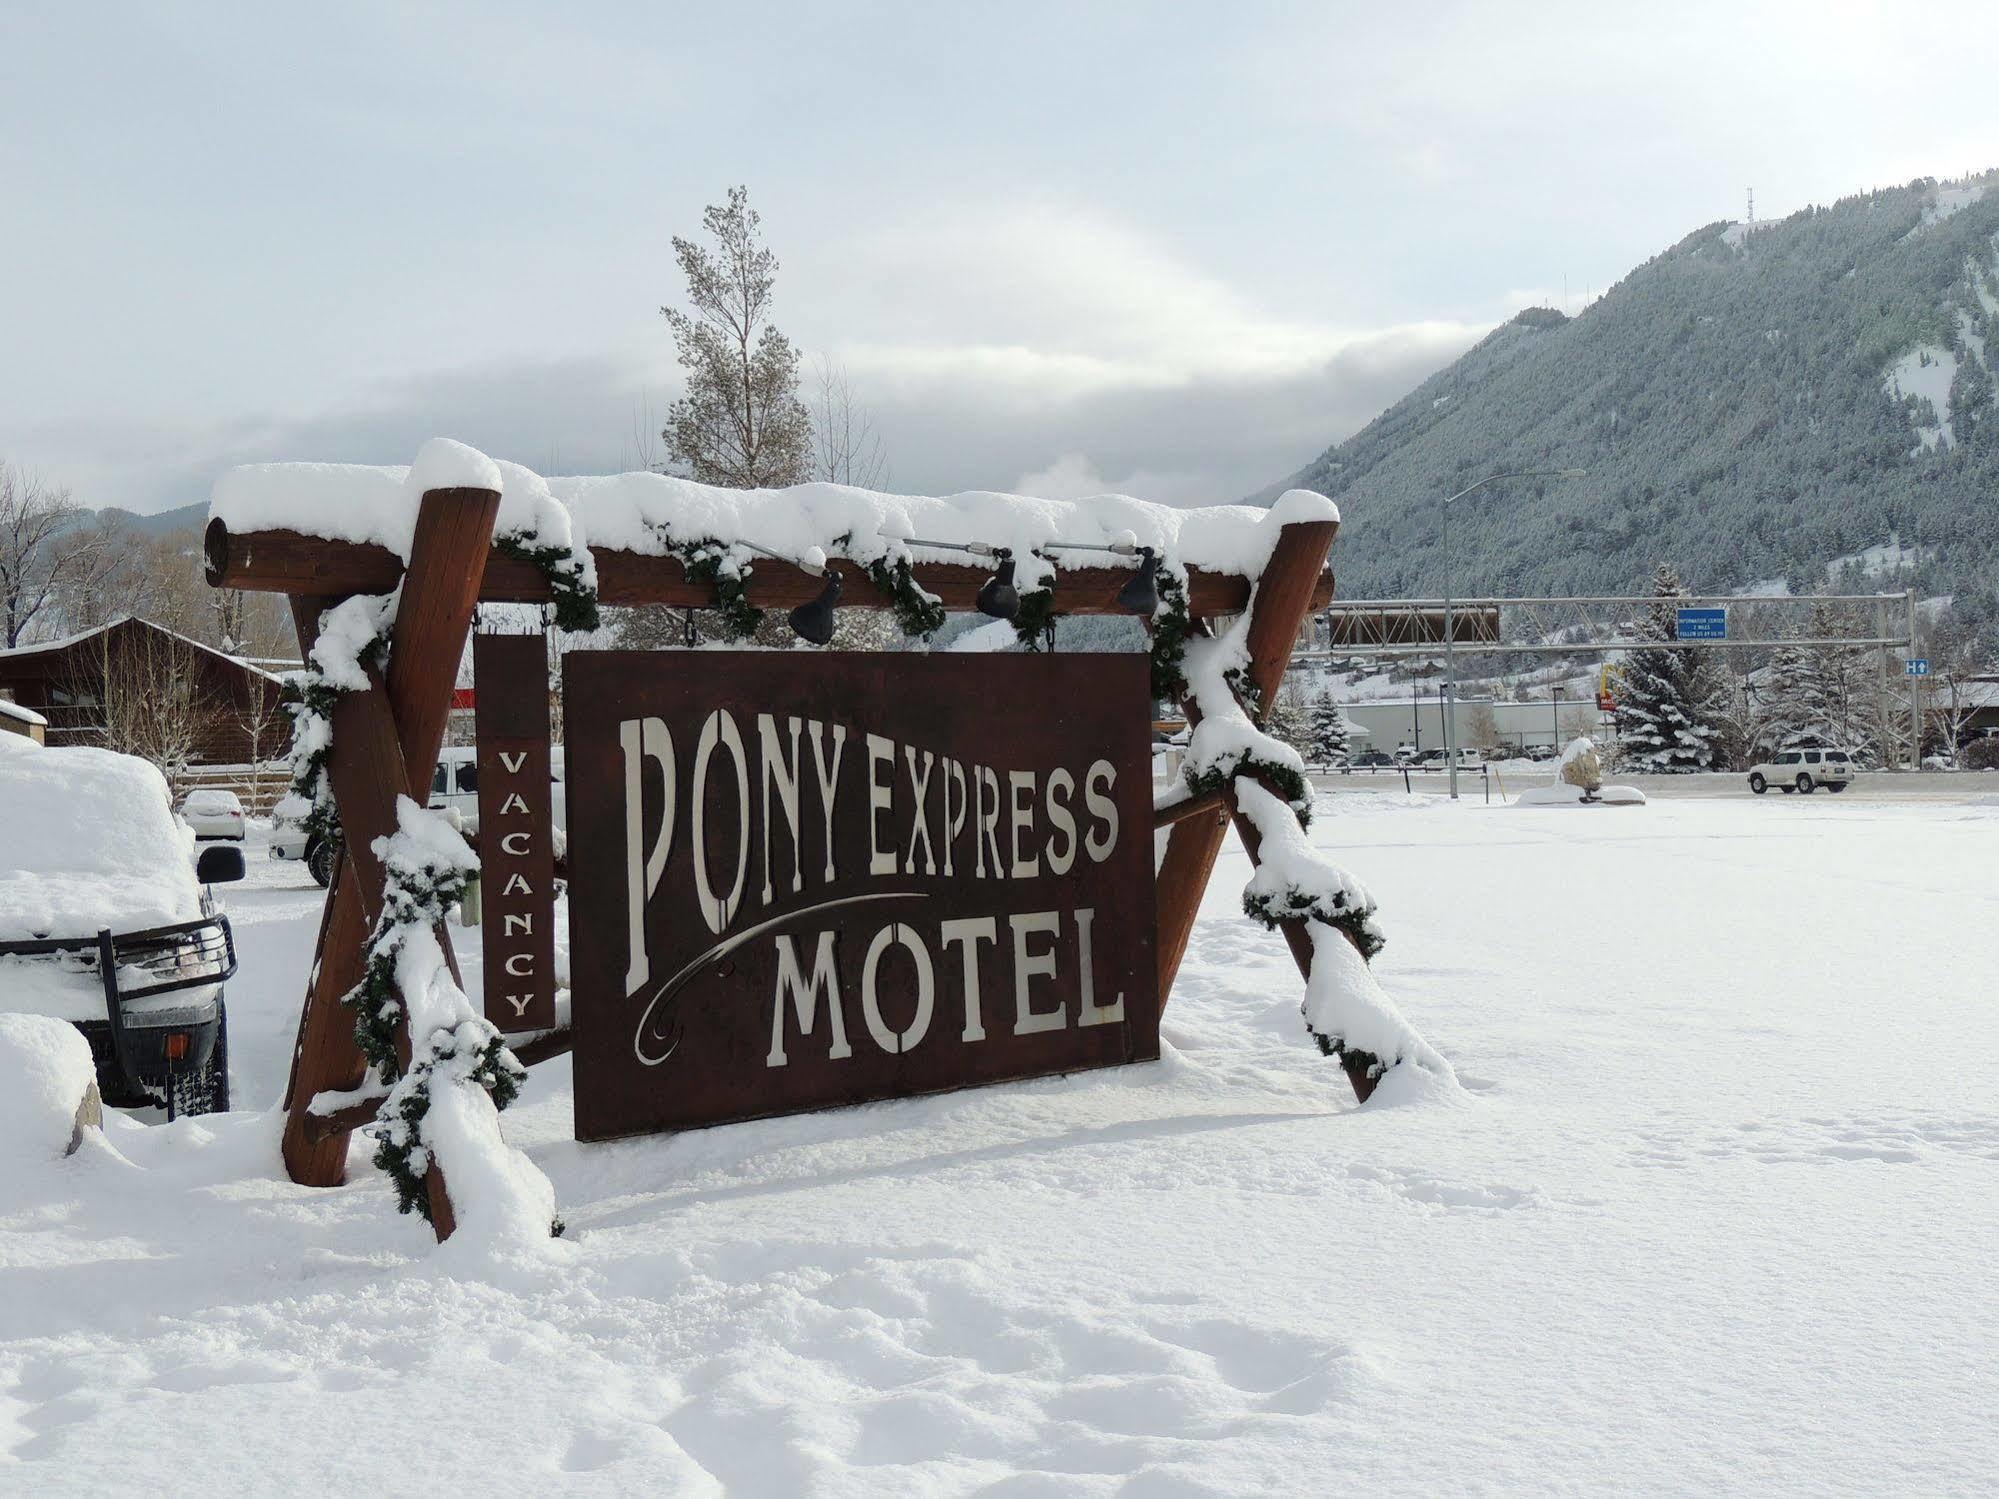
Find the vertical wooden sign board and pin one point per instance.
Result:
(516, 830)
(800, 880)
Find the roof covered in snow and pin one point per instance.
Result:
(63, 643)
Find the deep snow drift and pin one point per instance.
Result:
(1715, 1214)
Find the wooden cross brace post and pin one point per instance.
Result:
(386, 738)
(385, 741)
(1285, 598)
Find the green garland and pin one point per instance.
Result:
(1296, 904)
(1034, 624)
(918, 613)
(575, 600)
(417, 899)
(310, 698)
(1171, 625)
(399, 1149)
(705, 563)
(408, 904)
(1286, 781)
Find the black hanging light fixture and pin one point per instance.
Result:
(811, 622)
(1140, 593)
(998, 598)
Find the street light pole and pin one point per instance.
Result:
(1450, 630)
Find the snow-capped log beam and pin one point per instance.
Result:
(387, 738)
(292, 562)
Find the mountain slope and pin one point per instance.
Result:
(1749, 405)
(187, 518)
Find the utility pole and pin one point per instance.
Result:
(1915, 693)
(1881, 685)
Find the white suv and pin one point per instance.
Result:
(1803, 770)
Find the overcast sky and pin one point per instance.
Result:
(1066, 247)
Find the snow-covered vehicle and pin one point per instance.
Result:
(106, 922)
(1803, 770)
(213, 813)
(454, 787)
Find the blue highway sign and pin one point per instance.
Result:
(1703, 624)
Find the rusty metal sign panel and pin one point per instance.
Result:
(516, 830)
(802, 880)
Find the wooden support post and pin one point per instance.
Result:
(1284, 600)
(385, 741)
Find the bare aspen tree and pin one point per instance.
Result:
(740, 425)
(156, 703)
(846, 447)
(47, 550)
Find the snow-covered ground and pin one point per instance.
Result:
(1717, 1213)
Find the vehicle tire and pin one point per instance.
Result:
(1835, 787)
(206, 1089)
(1758, 785)
(319, 859)
(1805, 782)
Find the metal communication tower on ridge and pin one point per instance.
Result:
(1752, 205)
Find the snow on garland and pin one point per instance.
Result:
(430, 1114)
(1344, 1007)
(918, 612)
(535, 527)
(726, 569)
(353, 638)
(575, 599)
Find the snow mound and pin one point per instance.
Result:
(1563, 795)
(88, 840)
(444, 464)
(45, 1071)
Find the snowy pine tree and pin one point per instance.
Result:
(1795, 691)
(1670, 702)
(1287, 722)
(1332, 734)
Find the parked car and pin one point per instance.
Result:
(1803, 770)
(106, 921)
(454, 785)
(213, 813)
(1371, 760)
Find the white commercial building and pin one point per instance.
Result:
(1481, 723)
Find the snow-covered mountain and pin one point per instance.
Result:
(1756, 403)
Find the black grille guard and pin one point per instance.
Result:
(185, 955)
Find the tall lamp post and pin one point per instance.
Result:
(1450, 629)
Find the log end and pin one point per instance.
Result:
(215, 551)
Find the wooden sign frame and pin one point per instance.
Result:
(385, 739)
